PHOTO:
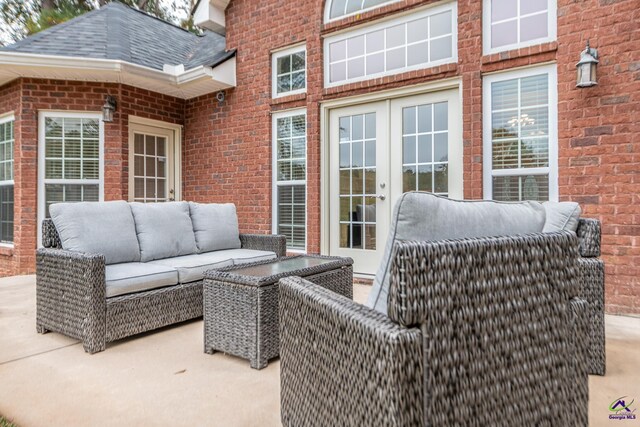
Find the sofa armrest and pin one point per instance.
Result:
(265, 242)
(342, 363)
(591, 272)
(71, 295)
(497, 320)
(589, 237)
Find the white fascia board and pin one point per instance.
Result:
(210, 15)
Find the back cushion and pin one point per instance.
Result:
(426, 217)
(215, 226)
(164, 230)
(561, 216)
(105, 228)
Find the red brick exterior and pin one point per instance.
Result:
(26, 97)
(227, 146)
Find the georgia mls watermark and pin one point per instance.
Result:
(621, 409)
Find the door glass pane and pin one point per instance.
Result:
(357, 181)
(150, 168)
(425, 148)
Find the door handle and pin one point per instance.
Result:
(381, 196)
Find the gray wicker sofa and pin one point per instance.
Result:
(472, 331)
(109, 270)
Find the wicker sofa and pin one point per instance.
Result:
(477, 331)
(81, 292)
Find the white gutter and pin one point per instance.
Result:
(223, 74)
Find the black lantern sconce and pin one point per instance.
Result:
(587, 67)
(108, 109)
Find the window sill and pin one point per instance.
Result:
(520, 53)
(6, 250)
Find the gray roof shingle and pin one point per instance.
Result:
(117, 31)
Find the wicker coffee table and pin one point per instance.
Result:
(241, 302)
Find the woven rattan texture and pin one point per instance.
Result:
(343, 364)
(589, 235)
(242, 319)
(591, 272)
(71, 295)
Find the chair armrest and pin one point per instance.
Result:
(496, 317)
(265, 242)
(342, 363)
(71, 293)
(591, 271)
(589, 237)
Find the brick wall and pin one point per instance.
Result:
(228, 146)
(33, 95)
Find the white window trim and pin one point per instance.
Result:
(42, 115)
(552, 23)
(552, 170)
(274, 70)
(327, 10)
(6, 118)
(431, 10)
(274, 178)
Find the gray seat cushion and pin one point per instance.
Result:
(136, 276)
(245, 256)
(192, 267)
(164, 230)
(105, 228)
(426, 217)
(215, 226)
(561, 216)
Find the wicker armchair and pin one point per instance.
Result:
(483, 331)
(71, 296)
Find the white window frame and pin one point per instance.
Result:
(274, 70)
(552, 23)
(431, 10)
(6, 118)
(329, 5)
(552, 169)
(42, 116)
(275, 183)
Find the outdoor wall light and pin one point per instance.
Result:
(108, 109)
(587, 67)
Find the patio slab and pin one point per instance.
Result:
(164, 378)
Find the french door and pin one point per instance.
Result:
(377, 152)
(152, 163)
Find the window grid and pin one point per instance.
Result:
(71, 160)
(522, 181)
(415, 163)
(6, 180)
(357, 148)
(290, 72)
(150, 168)
(290, 179)
(343, 8)
(341, 70)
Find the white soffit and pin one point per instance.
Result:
(176, 82)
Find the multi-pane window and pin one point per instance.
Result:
(6, 179)
(70, 153)
(521, 136)
(358, 181)
(339, 8)
(407, 43)
(289, 71)
(290, 176)
(510, 24)
(425, 148)
(150, 168)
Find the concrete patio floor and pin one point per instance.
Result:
(164, 378)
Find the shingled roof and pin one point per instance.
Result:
(120, 32)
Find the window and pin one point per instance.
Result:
(290, 177)
(520, 135)
(419, 40)
(512, 24)
(337, 9)
(425, 148)
(6, 179)
(70, 159)
(289, 71)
